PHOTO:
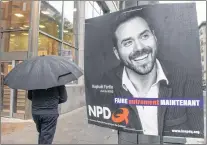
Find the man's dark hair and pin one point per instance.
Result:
(126, 16)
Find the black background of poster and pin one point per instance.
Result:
(175, 27)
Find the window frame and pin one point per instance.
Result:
(8, 30)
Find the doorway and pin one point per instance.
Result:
(6, 92)
(13, 101)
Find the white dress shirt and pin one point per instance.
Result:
(147, 114)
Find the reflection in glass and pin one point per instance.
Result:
(51, 17)
(15, 14)
(15, 41)
(68, 35)
(47, 46)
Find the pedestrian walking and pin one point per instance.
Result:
(44, 77)
(45, 111)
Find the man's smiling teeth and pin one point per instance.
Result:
(141, 57)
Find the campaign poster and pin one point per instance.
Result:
(143, 71)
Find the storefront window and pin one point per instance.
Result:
(68, 35)
(15, 41)
(47, 46)
(96, 14)
(97, 8)
(92, 9)
(51, 18)
(15, 14)
(88, 10)
(68, 52)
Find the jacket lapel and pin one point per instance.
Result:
(135, 120)
(124, 93)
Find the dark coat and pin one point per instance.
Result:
(46, 101)
(181, 85)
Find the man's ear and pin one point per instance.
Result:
(116, 53)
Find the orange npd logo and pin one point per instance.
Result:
(120, 117)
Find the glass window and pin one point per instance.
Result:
(15, 14)
(68, 35)
(51, 17)
(47, 46)
(117, 3)
(101, 12)
(68, 52)
(88, 10)
(97, 8)
(91, 2)
(96, 14)
(15, 41)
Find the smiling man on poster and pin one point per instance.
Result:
(142, 75)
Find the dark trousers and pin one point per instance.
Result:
(46, 126)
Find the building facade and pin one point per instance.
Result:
(202, 34)
(35, 28)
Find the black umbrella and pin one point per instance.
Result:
(42, 72)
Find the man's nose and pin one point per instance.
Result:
(138, 45)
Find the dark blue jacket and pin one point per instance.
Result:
(46, 101)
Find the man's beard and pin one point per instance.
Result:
(145, 68)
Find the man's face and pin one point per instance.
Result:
(137, 46)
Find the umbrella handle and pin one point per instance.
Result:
(64, 75)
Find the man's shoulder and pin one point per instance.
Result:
(175, 70)
(178, 74)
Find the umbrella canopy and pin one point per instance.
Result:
(42, 72)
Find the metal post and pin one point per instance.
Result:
(34, 29)
(12, 96)
(15, 94)
(80, 33)
(75, 30)
(62, 29)
(33, 43)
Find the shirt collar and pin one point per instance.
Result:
(160, 76)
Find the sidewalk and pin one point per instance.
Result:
(72, 128)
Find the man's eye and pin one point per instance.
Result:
(145, 36)
(127, 43)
